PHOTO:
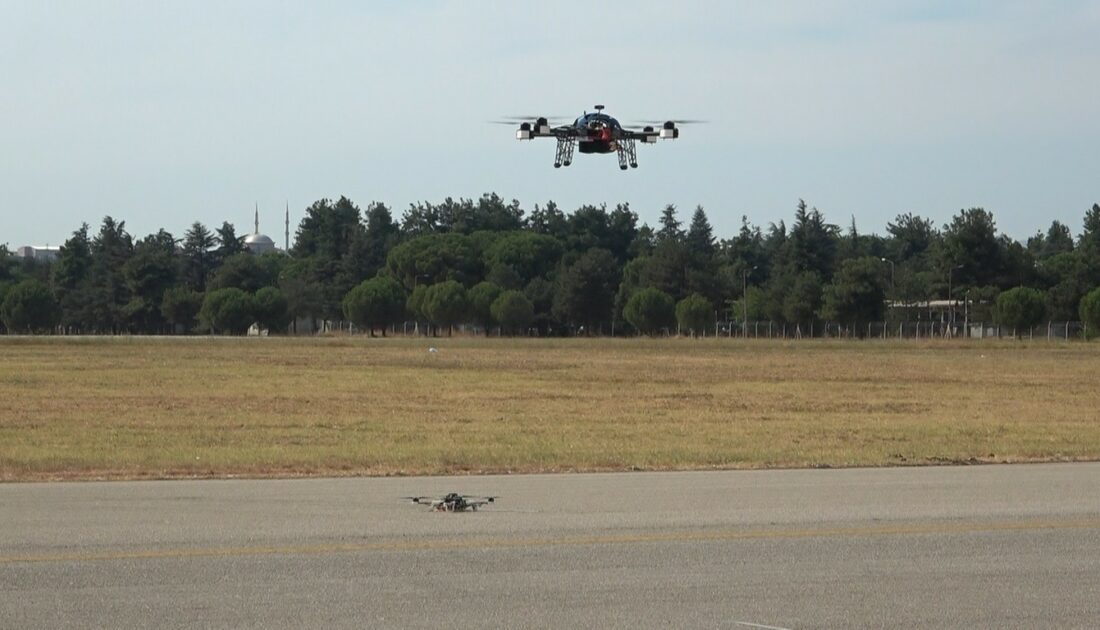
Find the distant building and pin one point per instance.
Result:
(257, 243)
(42, 253)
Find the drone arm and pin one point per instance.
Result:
(539, 129)
(527, 131)
(648, 137)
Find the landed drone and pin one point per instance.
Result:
(453, 502)
(597, 133)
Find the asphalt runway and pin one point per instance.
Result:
(948, 547)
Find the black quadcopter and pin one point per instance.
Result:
(597, 133)
(453, 502)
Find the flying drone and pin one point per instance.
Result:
(453, 502)
(597, 133)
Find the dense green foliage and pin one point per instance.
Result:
(376, 303)
(29, 307)
(1020, 308)
(586, 290)
(513, 311)
(269, 308)
(650, 310)
(445, 304)
(694, 314)
(857, 293)
(1090, 312)
(227, 311)
(180, 306)
(481, 299)
(447, 264)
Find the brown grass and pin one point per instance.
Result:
(168, 407)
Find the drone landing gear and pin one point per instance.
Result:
(627, 154)
(564, 155)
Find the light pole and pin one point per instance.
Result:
(950, 275)
(966, 313)
(887, 260)
(745, 300)
(416, 316)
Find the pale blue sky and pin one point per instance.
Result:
(164, 113)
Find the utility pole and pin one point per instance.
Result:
(745, 299)
(889, 303)
(950, 297)
(966, 313)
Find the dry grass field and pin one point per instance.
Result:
(77, 408)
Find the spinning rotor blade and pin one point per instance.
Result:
(554, 121)
(678, 121)
(533, 117)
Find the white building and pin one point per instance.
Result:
(40, 253)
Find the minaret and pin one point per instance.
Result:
(257, 230)
(288, 226)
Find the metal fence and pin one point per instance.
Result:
(1051, 330)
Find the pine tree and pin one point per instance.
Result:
(111, 248)
(229, 243)
(1091, 235)
(381, 235)
(198, 256)
(670, 225)
(70, 279)
(700, 236)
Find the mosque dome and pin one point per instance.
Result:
(259, 243)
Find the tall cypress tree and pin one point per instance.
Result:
(70, 279)
(199, 256)
(670, 225)
(700, 236)
(111, 248)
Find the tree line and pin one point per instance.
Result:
(492, 264)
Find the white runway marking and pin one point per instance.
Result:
(757, 625)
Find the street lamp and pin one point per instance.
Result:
(950, 275)
(745, 299)
(966, 312)
(887, 260)
(416, 280)
(889, 303)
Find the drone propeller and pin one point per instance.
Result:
(515, 120)
(678, 121)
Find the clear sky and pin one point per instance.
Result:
(163, 113)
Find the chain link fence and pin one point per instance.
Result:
(1051, 330)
